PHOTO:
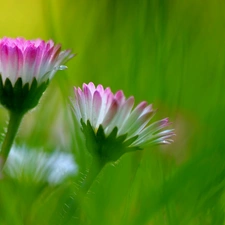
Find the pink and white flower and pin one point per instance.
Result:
(26, 66)
(101, 108)
(28, 59)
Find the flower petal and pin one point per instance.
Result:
(110, 113)
(30, 59)
(97, 104)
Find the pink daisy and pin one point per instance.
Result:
(112, 116)
(26, 66)
(30, 59)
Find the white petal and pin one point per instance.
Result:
(97, 104)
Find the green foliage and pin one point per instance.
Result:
(170, 53)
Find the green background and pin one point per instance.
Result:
(170, 53)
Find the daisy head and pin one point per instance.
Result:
(112, 125)
(26, 66)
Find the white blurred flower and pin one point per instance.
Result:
(39, 166)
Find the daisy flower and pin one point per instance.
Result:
(112, 125)
(26, 66)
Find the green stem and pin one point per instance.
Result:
(14, 123)
(94, 170)
(75, 207)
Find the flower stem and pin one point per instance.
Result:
(14, 123)
(91, 175)
(94, 170)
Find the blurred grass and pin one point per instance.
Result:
(170, 53)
